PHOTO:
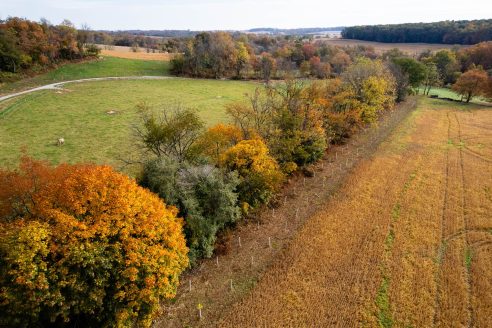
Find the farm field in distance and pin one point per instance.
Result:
(79, 114)
(380, 47)
(128, 53)
(406, 242)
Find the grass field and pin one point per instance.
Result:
(448, 93)
(108, 66)
(379, 47)
(126, 52)
(407, 246)
(79, 115)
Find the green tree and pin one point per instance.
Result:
(447, 65)
(10, 57)
(205, 196)
(415, 70)
(432, 78)
(171, 132)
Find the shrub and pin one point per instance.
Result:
(86, 245)
(311, 148)
(172, 132)
(259, 172)
(177, 65)
(299, 136)
(205, 196)
(92, 50)
(341, 125)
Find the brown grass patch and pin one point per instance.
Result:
(408, 48)
(127, 53)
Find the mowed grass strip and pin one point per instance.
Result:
(448, 93)
(107, 66)
(79, 114)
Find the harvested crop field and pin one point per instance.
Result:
(405, 241)
(128, 53)
(380, 47)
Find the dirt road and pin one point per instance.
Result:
(59, 85)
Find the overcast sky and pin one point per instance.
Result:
(242, 14)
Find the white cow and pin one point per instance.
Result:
(60, 141)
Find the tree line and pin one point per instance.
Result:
(28, 45)
(447, 32)
(85, 245)
(226, 55)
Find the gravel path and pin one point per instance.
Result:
(59, 85)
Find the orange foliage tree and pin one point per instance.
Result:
(218, 139)
(84, 244)
(473, 82)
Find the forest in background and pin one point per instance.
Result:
(31, 46)
(447, 32)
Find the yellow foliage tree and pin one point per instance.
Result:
(377, 95)
(84, 243)
(259, 172)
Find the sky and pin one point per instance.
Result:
(241, 14)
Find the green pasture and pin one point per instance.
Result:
(448, 93)
(79, 114)
(107, 66)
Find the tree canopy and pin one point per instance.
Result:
(84, 244)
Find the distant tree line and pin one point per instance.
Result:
(295, 31)
(447, 32)
(25, 44)
(241, 56)
(190, 34)
(234, 55)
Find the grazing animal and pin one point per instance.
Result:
(60, 141)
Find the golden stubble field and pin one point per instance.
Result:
(127, 53)
(380, 47)
(407, 242)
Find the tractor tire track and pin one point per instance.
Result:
(442, 248)
(466, 225)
